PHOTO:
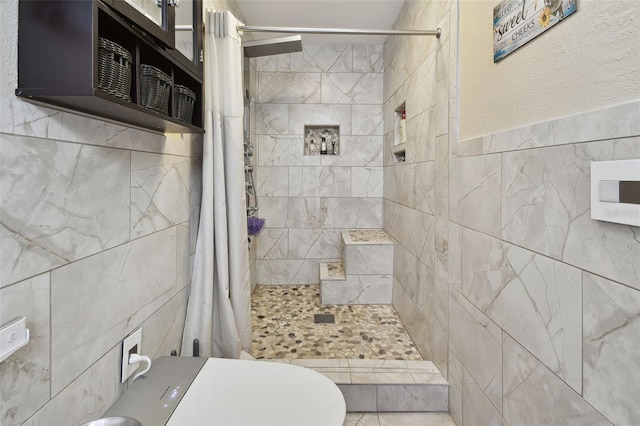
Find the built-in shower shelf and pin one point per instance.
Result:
(399, 153)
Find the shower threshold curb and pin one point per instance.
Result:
(383, 385)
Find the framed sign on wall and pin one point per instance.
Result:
(516, 22)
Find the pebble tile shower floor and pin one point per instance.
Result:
(283, 327)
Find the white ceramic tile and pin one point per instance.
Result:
(415, 277)
(534, 395)
(367, 120)
(442, 107)
(455, 256)
(314, 243)
(421, 136)
(320, 115)
(160, 192)
(272, 119)
(477, 342)
(352, 88)
(26, 375)
(441, 194)
(455, 378)
(424, 186)
(358, 290)
(322, 58)
(619, 121)
(412, 229)
(100, 299)
(415, 321)
(474, 193)
(368, 259)
(546, 202)
(476, 407)
(271, 181)
(366, 181)
(319, 181)
(27, 119)
(368, 58)
(195, 201)
(87, 397)
(377, 378)
(361, 398)
(361, 151)
(412, 398)
(319, 363)
(441, 314)
(73, 202)
(424, 419)
(611, 329)
(273, 243)
(183, 258)
(289, 88)
(356, 213)
(163, 330)
(421, 88)
(273, 63)
(284, 150)
(362, 419)
(278, 272)
(537, 300)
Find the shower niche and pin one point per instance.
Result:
(321, 140)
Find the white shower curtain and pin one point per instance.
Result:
(219, 310)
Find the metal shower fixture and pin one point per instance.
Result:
(272, 46)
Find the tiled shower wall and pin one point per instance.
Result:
(308, 200)
(415, 191)
(528, 305)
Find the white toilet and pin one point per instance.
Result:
(181, 391)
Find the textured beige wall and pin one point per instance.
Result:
(589, 61)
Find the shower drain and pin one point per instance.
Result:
(324, 319)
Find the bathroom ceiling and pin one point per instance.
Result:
(378, 14)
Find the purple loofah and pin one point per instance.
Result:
(254, 225)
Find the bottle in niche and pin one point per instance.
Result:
(403, 127)
(312, 147)
(323, 146)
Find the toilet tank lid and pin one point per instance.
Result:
(153, 397)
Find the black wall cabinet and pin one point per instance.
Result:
(58, 63)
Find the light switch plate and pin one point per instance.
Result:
(131, 344)
(605, 177)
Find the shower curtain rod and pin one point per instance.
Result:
(437, 32)
(327, 31)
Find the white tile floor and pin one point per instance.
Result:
(399, 419)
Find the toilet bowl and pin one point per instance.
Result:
(226, 392)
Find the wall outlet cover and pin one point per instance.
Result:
(131, 344)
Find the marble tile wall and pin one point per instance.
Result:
(308, 200)
(97, 232)
(416, 191)
(563, 288)
(528, 306)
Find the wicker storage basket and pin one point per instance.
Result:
(184, 101)
(114, 69)
(155, 87)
